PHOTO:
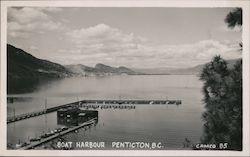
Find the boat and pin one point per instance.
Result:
(19, 145)
(35, 139)
(64, 128)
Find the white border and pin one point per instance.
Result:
(142, 3)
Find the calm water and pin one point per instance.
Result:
(149, 123)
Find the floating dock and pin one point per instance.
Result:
(97, 102)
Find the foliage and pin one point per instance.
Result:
(234, 18)
(223, 102)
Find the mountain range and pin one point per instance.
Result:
(180, 71)
(22, 65)
(25, 70)
(99, 70)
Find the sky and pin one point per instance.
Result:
(133, 37)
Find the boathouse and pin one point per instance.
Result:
(74, 116)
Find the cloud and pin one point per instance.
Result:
(102, 33)
(50, 9)
(103, 37)
(108, 45)
(225, 28)
(103, 43)
(197, 53)
(26, 20)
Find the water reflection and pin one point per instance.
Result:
(27, 85)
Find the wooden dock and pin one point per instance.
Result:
(100, 102)
(50, 138)
(25, 116)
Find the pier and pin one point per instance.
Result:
(50, 138)
(83, 103)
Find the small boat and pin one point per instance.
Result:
(44, 136)
(64, 128)
(59, 130)
(35, 139)
(18, 145)
(25, 144)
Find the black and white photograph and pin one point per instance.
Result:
(125, 78)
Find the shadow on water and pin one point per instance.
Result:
(21, 86)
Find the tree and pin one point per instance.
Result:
(234, 18)
(222, 91)
(236, 102)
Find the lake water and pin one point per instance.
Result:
(168, 124)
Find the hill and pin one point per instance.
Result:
(180, 71)
(23, 69)
(99, 70)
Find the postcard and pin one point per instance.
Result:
(117, 78)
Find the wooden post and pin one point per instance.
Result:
(14, 112)
(45, 105)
